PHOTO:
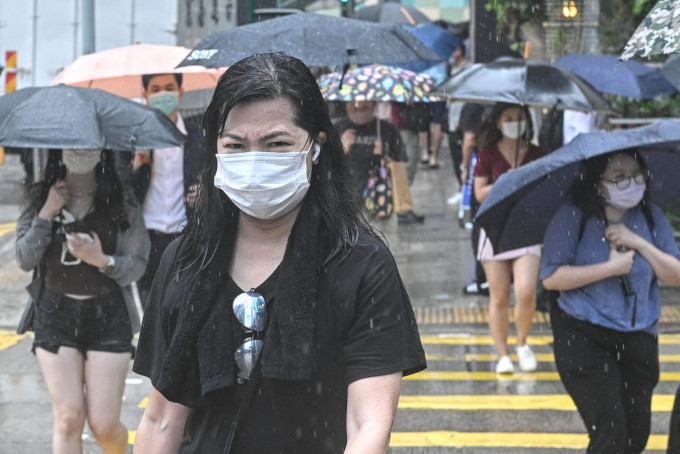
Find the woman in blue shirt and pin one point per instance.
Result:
(605, 339)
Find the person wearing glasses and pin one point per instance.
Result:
(606, 250)
(85, 239)
(277, 322)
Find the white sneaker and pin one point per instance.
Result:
(527, 360)
(504, 365)
(454, 199)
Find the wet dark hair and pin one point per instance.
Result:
(489, 133)
(586, 194)
(263, 77)
(109, 195)
(146, 79)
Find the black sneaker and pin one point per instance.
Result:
(476, 289)
(410, 218)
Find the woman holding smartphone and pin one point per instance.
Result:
(86, 240)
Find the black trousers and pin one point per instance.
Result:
(674, 429)
(159, 242)
(610, 375)
(456, 150)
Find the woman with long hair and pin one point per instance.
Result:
(86, 242)
(606, 250)
(506, 144)
(278, 321)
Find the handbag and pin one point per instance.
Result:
(378, 193)
(401, 192)
(34, 290)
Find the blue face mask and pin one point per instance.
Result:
(165, 101)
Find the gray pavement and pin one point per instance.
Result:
(434, 259)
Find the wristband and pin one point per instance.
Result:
(109, 264)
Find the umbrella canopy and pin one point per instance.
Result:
(391, 13)
(521, 203)
(440, 41)
(517, 81)
(608, 74)
(119, 70)
(671, 70)
(657, 34)
(316, 39)
(437, 39)
(82, 118)
(377, 83)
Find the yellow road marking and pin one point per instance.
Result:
(540, 357)
(9, 338)
(452, 439)
(522, 376)
(558, 402)
(6, 228)
(664, 339)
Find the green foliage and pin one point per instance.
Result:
(663, 106)
(520, 10)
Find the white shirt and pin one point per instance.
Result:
(576, 122)
(164, 208)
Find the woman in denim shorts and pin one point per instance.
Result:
(86, 240)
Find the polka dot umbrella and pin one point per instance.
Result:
(377, 83)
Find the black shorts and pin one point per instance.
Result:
(99, 324)
(439, 113)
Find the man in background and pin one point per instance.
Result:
(164, 180)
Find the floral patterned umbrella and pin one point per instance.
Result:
(377, 83)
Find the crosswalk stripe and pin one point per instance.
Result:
(540, 357)
(664, 339)
(451, 439)
(9, 338)
(558, 402)
(7, 228)
(521, 376)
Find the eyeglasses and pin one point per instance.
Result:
(250, 310)
(624, 182)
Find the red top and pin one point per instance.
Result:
(492, 164)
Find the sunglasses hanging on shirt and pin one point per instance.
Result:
(250, 309)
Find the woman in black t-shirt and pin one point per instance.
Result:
(278, 311)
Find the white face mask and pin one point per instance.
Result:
(265, 185)
(624, 199)
(514, 129)
(81, 161)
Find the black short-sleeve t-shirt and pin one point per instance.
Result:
(361, 157)
(365, 327)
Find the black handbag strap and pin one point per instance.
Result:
(244, 406)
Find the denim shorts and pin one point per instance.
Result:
(100, 323)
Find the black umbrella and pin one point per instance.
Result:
(316, 39)
(392, 13)
(517, 81)
(521, 203)
(82, 118)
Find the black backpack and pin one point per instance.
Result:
(550, 136)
